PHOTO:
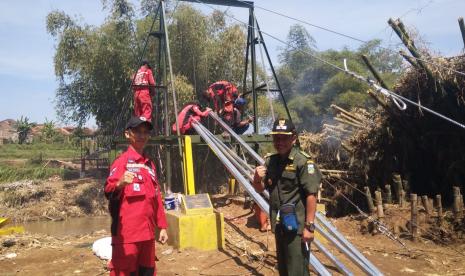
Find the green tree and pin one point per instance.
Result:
(48, 131)
(94, 64)
(311, 86)
(23, 128)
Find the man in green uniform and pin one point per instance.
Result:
(291, 178)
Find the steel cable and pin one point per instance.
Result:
(379, 89)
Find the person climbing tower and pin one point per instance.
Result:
(221, 92)
(143, 86)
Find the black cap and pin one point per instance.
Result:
(136, 121)
(145, 62)
(283, 126)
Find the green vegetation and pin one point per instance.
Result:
(10, 173)
(94, 64)
(38, 151)
(311, 87)
(23, 127)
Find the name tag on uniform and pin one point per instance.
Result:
(310, 167)
(133, 167)
(136, 187)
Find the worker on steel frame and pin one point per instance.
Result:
(191, 112)
(143, 86)
(135, 205)
(221, 92)
(292, 180)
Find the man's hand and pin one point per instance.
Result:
(208, 109)
(163, 237)
(307, 236)
(260, 172)
(127, 179)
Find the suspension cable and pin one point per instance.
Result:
(397, 99)
(349, 36)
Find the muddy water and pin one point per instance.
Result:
(71, 226)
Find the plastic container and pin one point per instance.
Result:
(170, 202)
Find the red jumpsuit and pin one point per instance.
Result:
(136, 210)
(189, 113)
(220, 92)
(142, 100)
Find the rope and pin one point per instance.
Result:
(395, 97)
(349, 36)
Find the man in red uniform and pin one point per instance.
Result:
(143, 83)
(190, 112)
(221, 92)
(232, 117)
(135, 206)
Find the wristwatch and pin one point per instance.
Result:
(310, 226)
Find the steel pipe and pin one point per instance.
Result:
(338, 240)
(230, 151)
(254, 154)
(344, 250)
(346, 243)
(339, 265)
(265, 193)
(230, 167)
(318, 266)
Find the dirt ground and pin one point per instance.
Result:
(247, 250)
(52, 199)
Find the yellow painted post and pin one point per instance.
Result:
(232, 185)
(189, 179)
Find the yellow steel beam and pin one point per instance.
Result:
(189, 180)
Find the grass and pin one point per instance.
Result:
(33, 151)
(29, 171)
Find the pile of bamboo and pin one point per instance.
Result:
(428, 153)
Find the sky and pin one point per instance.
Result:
(28, 83)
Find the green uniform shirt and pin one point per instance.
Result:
(297, 177)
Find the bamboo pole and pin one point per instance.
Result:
(461, 202)
(431, 205)
(456, 206)
(409, 59)
(413, 219)
(425, 202)
(371, 206)
(350, 119)
(388, 194)
(400, 30)
(336, 128)
(439, 206)
(398, 185)
(374, 72)
(402, 201)
(349, 123)
(462, 29)
(343, 111)
(379, 204)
